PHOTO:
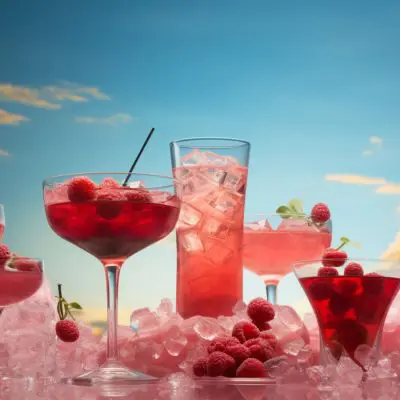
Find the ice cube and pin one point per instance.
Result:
(277, 366)
(216, 159)
(217, 252)
(215, 176)
(165, 309)
(194, 158)
(305, 355)
(240, 310)
(227, 203)
(292, 224)
(174, 341)
(261, 225)
(207, 328)
(189, 216)
(348, 371)
(191, 242)
(293, 347)
(144, 321)
(235, 181)
(216, 228)
(136, 184)
(366, 355)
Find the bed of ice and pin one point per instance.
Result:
(160, 343)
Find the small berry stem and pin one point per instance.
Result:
(341, 246)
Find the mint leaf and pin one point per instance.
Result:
(75, 306)
(284, 211)
(296, 205)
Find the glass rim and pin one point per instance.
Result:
(306, 215)
(234, 143)
(39, 261)
(358, 260)
(174, 182)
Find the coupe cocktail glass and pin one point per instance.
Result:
(271, 245)
(2, 222)
(213, 175)
(350, 306)
(112, 222)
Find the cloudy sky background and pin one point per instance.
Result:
(315, 87)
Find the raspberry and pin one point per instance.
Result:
(200, 367)
(334, 258)
(221, 343)
(368, 310)
(347, 287)
(245, 330)
(270, 339)
(81, 189)
(320, 213)
(321, 289)
(67, 330)
(260, 310)
(108, 203)
(238, 352)
(5, 252)
(138, 196)
(339, 305)
(220, 364)
(251, 368)
(354, 269)
(261, 352)
(327, 272)
(373, 283)
(109, 183)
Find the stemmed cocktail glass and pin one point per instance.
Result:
(2, 222)
(351, 300)
(112, 220)
(271, 244)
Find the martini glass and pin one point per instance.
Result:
(2, 221)
(272, 244)
(112, 221)
(350, 306)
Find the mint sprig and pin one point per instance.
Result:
(63, 307)
(294, 209)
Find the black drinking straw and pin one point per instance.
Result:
(138, 156)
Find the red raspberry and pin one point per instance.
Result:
(334, 258)
(67, 330)
(373, 283)
(368, 309)
(251, 368)
(5, 252)
(109, 183)
(239, 352)
(221, 343)
(138, 196)
(320, 213)
(245, 330)
(321, 289)
(261, 352)
(327, 272)
(200, 367)
(354, 269)
(260, 310)
(81, 189)
(270, 339)
(108, 203)
(339, 305)
(220, 364)
(347, 287)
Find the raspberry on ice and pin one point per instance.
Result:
(261, 352)
(270, 339)
(245, 330)
(221, 342)
(239, 352)
(200, 367)
(251, 368)
(260, 310)
(220, 364)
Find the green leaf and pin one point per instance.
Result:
(284, 211)
(75, 306)
(296, 205)
(345, 240)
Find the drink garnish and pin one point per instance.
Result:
(66, 329)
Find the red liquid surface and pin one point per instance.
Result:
(16, 286)
(2, 228)
(350, 310)
(112, 230)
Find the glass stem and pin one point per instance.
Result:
(271, 289)
(112, 280)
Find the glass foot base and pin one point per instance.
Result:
(110, 374)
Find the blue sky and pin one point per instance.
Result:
(307, 83)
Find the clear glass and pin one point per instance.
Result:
(212, 173)
(2, 222)
(350, 304)
(112, 221)
(272, 244)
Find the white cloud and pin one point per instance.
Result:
(351, 179)
(367, 153)
(112, 120)
(376, 140)
(4, 153)
(49, 97)
(389, 188)
(7, 118)
(393, 251)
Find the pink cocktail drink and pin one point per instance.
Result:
(270, 253)
(350, 303)
(20, 278)
(210, 228)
